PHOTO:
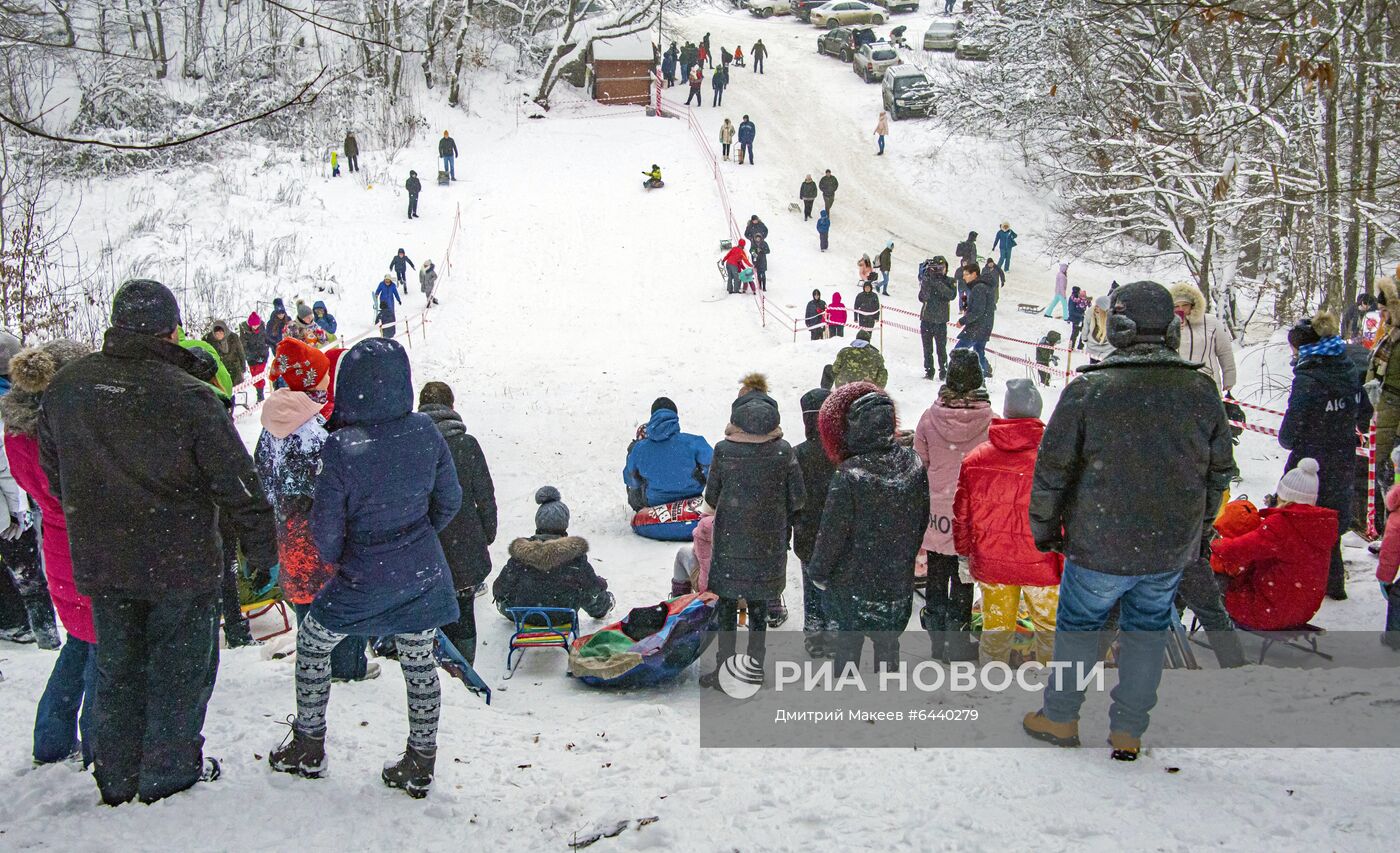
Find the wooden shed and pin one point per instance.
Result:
(624, 69)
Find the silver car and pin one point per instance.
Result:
(872, 59)
(942, 35)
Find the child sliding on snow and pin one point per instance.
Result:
(653, 180)
(551, 568)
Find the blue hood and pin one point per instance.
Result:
(318, 305)
(374, 383)
(664, 424)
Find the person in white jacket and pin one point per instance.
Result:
(1096, 344)
(1204, 339)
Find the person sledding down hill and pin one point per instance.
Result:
(653, 181)
(665, 475)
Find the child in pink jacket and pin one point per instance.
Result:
(1390, 559)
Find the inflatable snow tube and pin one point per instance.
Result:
(672, 522)
(610, 658)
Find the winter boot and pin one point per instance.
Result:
(1125, 746)
(1041, 727)
(41, 620)
(20, 635)
(213, 770)
(372, 670)
(300, 754)
(412, 773)
(777, 613)
(238, 635)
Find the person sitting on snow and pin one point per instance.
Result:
(690, 572)
(665, 466)
(653, 177)
(551, 568)
(1278, 571)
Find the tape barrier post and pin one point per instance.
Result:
(1371, 531)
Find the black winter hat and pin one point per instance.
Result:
(1052, 337)
(1148, 304)
(811, 408)
(1303, 334)
(964, 371)
(870, 423)
(755, 413)
(145, 306)
(662, 403)
(553, 515)
(205, 367)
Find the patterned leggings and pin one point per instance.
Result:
(314, 644)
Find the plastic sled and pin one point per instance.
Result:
(609, 658)
(443, 180)
(653, 185)
(451, 660)
(670, 522)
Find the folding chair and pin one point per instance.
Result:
(555, 627)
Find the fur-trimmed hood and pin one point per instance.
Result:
(31, 371)
(1387, 291)
(548, 553)
(1184, 291)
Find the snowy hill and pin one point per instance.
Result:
(575, 298)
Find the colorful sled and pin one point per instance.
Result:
(671, 522)
(609, 658)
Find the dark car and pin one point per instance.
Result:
(906, 92)
(803, 8)
(843, 42)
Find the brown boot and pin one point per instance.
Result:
(1041, 727)
(1125, 746)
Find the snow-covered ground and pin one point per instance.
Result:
(575, 298)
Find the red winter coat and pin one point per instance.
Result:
(1390, 544)
(836, 311)
(738, 257)
(991, 513)
(74, 608)
(1278, 572)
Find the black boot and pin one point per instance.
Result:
(300, 754)
(412, 773)
(41, 620)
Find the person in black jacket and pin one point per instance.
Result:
(466, 537)
(828, 185)
(551, 568)
(1130, 474)
(145, 459)
(993, 274)
(867, 305)
(936, 291)
(967, 249)
(1325, 409)
(400, 264)
(815, 317)
(758, 251)
(755, 228)
(755, 491)
(447, 150)
(414, 187)
(871, 526)
(808, 194)
(817, 627)
(977, 321)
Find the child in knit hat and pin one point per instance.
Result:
(1278, 571)
(551, 568)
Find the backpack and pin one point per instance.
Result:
(961, 250)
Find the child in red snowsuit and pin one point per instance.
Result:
(1278, 571)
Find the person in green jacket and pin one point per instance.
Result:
(221, 383)
(859, 362)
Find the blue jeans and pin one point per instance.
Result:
(72, 685)
(1146, 606)
(747, 149)
(884, 283)
(449, 164)
(979, 347)
(882, 143)
(1061, 301)
(348, 659)
(1006, 260)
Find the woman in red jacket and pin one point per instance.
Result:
(1278, 571)
(70, 687)
(992, 533)
(736, 260)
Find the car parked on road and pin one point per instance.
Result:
(843, 42)
(802, 9)
(906, 92)
(973, 48)
(898, 5)
(769, 8)
(871, 60)
(842, 13)
(942, 35)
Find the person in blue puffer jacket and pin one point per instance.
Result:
(324, 318)
(665, 464)
(387, 486)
